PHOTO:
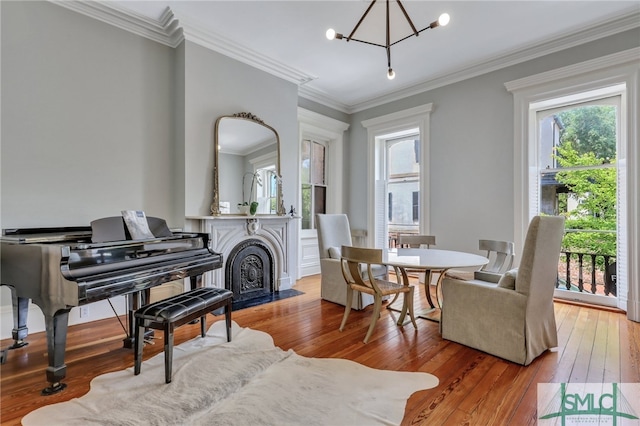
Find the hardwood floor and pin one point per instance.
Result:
(475, 388)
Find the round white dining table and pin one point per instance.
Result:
(429, 261)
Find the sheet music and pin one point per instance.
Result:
(137, 224)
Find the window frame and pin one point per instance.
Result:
(616, 69)
(378, 130)
(313, 185)
(312, 125)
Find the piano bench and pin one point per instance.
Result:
(175, 311)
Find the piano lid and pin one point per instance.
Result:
(46, 235)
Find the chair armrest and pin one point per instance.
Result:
(478, 293)
(480, 304)
(490, 277)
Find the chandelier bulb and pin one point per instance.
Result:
(444, 19)
(331, 34)
(391, 74)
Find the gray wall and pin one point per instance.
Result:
(86, 119)
(472, 148)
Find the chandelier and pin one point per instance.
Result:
(442, 21)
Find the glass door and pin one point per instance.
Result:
(578, 178)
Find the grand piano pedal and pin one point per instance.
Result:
(53, 389)
(18, 344)
(129, 342)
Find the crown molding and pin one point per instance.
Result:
(165, 31)
(171, 31)
(196, 33)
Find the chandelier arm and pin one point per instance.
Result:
(367, 42)
(361, 19)
(409, 36)
(406, 15)
(388, 35)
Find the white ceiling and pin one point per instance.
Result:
(289, 37)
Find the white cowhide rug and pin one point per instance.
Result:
(248, 381)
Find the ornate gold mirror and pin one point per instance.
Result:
(246, 169)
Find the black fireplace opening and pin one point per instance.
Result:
(249, 271)
(250, 275)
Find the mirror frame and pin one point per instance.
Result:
(215, 205)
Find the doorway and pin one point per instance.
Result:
(578, 178)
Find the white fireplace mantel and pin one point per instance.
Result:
(278, 233)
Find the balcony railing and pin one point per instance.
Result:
(587, 273)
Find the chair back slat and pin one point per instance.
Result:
(500, 255)
(416, 241)
(353, 257)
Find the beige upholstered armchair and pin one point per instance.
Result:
(333, 233)
(513, 319)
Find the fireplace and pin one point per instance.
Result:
(270, 240)
(250, 270)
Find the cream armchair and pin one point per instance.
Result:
(333, 233)
(513, 319)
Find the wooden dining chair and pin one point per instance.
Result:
(352, 261)
(416, 241)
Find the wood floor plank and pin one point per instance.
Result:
(474, 388)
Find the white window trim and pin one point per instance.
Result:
(331, 131)
(417, 117)
(618, 68)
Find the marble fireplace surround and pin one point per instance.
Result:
(277, 233)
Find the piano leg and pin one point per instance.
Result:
(135, 301)
(56, 327)
(195, 281)
(20, 312)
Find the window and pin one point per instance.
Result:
(413, 125)
(266, 185)
(612, 75)
(403, 185)
(313, 171)
(266, 192)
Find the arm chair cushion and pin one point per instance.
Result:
(508, 280)
(335, 253)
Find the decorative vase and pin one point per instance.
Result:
(243, 209)
(254, 208)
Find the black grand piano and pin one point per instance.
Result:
(59, 268)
